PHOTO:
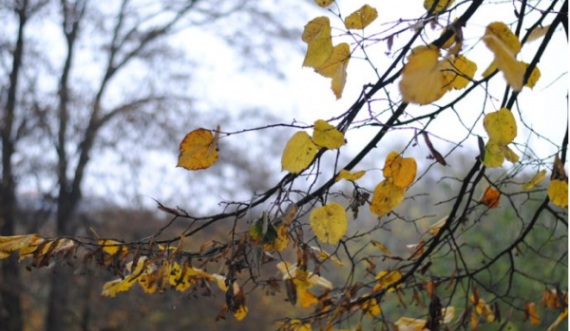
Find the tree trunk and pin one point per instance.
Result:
(10, 283)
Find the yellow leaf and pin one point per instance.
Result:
(386, 197)
(558, 193)
(505, 45)
(530, 309)
(9, 244)
(297, 325)
(448, 314)
(409, 324)
(322, 255)
(288, 270)
(329, 223)
(491, 197)
(534, 76)
(501, 126)
(61, 245)
(422, 81)
(221, 282)
(458, 72)
(197, 150)
(535, 180)
(381, 247)
(299, 153)
(335, 67)
(110, 289)
(537, 33)
(510, 155)
(302, 278)
(241, 312)
(490, 69)
(112, 250)
(441, 5)
(400, 171)
(482, 308)
(474, 322)
(326, 135)
(317, 35)
(306, 298)
(324, 3)
(371, 307)
(494, 156)
(449, 42)
(148, 283)
(416, 249)
(434, 228)
(552, 299)
(28, 251)
(350, 176)
(281, 242)
(387, 278)
(361, 18)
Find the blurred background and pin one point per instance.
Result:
(97, 95)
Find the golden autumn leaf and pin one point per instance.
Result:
(409, 324)
(327, 136)
(483, 309)
(302, 278)
(537, 33)
(371, 307)
(281, 242)
(552, 299)
(534, 76)
(26, 242)
(386, 197)
(531, 313)
(435, 227)
(448, 314)
(539, 177)
(198, 150)
(317, 35)
(400, 171)
(306, 298)
(329, 223)
(381, 247)
(322, 255)
(386, 278)
(241, 312)
(335, 67)
(361, 18)
(491, 197)
(558, 193)
(458, 72)
(510, 155)
(297, 325)
(441, 5)
(110, 289)
(350, 176)
(505, 46)
(324, 3)
(494, 154)
(416, 249)
(299, 153)
(422, 81)
(112, 250)
(501, 126)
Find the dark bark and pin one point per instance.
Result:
(58, 310)
(10, 283)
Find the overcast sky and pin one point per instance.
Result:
(306, 96)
